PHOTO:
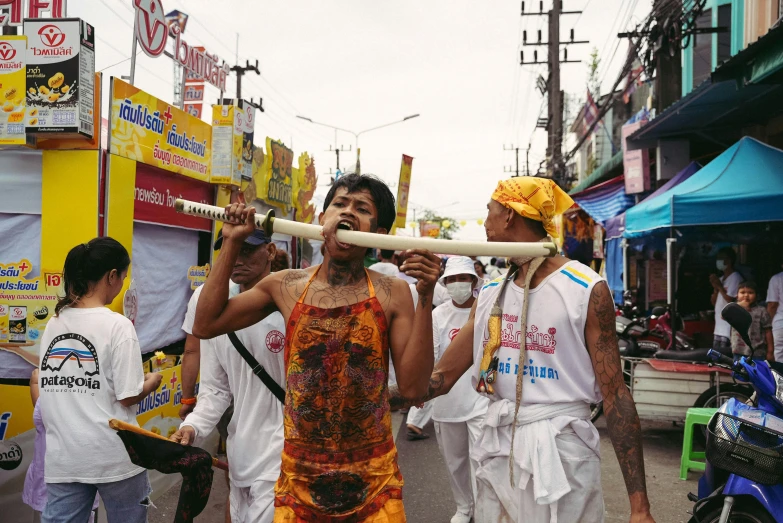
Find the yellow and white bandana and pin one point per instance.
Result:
(539, 199)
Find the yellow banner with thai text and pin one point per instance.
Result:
(403, 189)
(154, 132)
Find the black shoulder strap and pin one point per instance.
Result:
(258, 369)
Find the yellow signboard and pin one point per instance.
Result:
(154, 132)
(197, 274)
(274, 175)
(305, 181)
(403, 190)
(26, 305)
(12, 89)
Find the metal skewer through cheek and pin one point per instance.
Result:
(271, 225)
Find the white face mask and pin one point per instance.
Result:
(460, 291)
(720, 264)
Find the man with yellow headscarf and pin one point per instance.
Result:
(541, 344)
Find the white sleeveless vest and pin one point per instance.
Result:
(558, 368)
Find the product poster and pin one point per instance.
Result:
(12, 88)
(60, 76)
(154, 132)
(26, 305)
(226, 146)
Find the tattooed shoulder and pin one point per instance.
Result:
(293, 282)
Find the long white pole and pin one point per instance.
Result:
(378, 241)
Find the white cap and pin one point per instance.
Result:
(458, 265)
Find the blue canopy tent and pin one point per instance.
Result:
(614, 233)
(742, 185)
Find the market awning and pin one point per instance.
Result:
(602, 172)
(616, 226)
(606, 200)
(742, 185)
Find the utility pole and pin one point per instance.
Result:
(554, 126)
(240, 71)
(337, 150)
(516, 149)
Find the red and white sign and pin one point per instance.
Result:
(191, 77)
(194, 93)
(152, 34)
(636, 164)
(156, 192)
(12, 11)
(194, 109)
(151, 27)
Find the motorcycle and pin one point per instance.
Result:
(743, 478)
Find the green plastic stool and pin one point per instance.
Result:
(691, 459)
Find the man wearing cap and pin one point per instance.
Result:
(541, 345)
(255, 429)
(459, 414)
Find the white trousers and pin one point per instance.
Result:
(253, 504)
(419, 417)
(777, 338)
(499, 502)
(456, 441)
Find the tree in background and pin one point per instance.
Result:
(593, 81)
(445, 232)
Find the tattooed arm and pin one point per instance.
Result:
(619, 408)
(457, 359)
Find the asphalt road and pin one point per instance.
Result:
(428, 496)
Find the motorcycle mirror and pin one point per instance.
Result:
(738, 318)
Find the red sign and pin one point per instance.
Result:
(11, 10)
(156, 192)
(194, 93)
(194, 109)
(190, 76)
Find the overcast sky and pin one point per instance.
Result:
(358, 64)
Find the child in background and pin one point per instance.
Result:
(760, 332)
(34, 494)
(91, 372)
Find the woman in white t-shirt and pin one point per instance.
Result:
(90, 372)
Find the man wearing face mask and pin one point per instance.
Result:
(459, 414)
(725, 291)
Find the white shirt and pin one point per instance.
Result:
(775, 294)
(558, 367)
(462, 402)
(255, 433)
(389, 269)
(90, 360)
(731, 284)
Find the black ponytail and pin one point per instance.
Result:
(88, 263)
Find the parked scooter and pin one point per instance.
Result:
(743, 480)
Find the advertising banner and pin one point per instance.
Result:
(636, 164)
(13, 80)
(403, 189)
(60, 76)
(26, 305)
(304, 183)
(154, 132)
(277, 185)
(197, 274)
(430, 230)
(156, 193)
(232, 139)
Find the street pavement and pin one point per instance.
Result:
(428, 496)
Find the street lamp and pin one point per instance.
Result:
(355, 134)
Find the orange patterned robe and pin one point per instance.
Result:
(339, 459)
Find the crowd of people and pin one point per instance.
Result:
(301, 370)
